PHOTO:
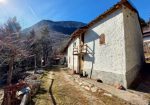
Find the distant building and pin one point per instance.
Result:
(146, 40)
(110, 47)
(146, 33)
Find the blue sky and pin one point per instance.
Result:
(29, 12)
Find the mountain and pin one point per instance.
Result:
(59, 31)
(63, 27)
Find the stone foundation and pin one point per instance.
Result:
(107, 77)
(132, 74)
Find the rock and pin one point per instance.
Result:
(86, 84)
(39, 71)
(87, 88)
(100, 90)
(69, 76)
(82, 86)
(73, 79)
(76, 80)
(107, 94)
(91, 85)
(80, 83)
(52, 73)
(119, 86)
(94, 89)
(52, 76)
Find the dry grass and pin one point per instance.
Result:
(42, 97)
(66, 92)
(111, 100)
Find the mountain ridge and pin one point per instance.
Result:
(59, 31)
(64, 27)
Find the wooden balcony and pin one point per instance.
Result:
(75, 51)
(80, 50)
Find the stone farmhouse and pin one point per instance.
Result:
(109, 48)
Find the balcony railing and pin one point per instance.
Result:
(81, 49)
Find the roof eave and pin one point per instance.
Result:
(117, 6)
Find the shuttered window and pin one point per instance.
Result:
(102, 39)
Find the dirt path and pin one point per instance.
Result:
(68, 93)
(65, 92)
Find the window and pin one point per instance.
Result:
(74, 44)
(102, 39)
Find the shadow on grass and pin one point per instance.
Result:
(31, 102)
(44, 75)
(51, 93)
(41, 91)
(54, 68)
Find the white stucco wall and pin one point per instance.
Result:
(70, 56)
(120, 58)
(133, 45)
(111, 56)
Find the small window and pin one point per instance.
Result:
(102, 39)
(74, 44)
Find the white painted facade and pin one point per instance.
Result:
(73, 60)
(121, 54)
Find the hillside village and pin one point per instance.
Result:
(104, 62)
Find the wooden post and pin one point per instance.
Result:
(73, 61)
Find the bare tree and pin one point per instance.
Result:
(41, 47)
(12, 48)
(46, 44)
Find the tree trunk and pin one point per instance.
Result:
(35, 63)
(41, 62)
(10, 72)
